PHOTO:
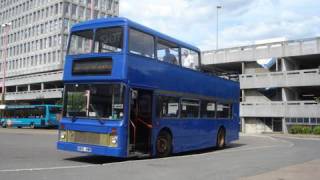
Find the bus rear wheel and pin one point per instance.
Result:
(221, 136)
(32, 125)
(163, 144)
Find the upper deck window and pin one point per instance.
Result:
(168, 52)
(108, 40)
(141, 43)
(81, 42)
(189, 59)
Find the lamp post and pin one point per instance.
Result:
(92, 9)
(6, 28)
(217, 38)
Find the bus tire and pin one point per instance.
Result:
(163, 144)
(4, 125)
(221, 138)
(32, 125)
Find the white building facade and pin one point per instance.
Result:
(33, 44)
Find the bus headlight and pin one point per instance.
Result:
(114, 140)
(63, 136)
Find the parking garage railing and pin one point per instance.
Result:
(35, 94)
(293, 109)
(262, 51)
(310, 77)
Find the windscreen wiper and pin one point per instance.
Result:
(101, 121)
(73, 118)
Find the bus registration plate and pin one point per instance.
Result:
(84, 149)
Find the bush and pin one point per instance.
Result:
(316, 130)
(307, 130)
(298, 129)
(295, 129)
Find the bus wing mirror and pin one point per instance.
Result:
(134, 94)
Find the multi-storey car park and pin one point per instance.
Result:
(37, 37)
(275, 97)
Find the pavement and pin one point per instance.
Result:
(31, 154)
(306, 171)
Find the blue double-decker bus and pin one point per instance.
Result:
(33, 116)
(130, 90)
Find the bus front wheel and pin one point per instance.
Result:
(163, 144)
(4, 125)
(221, 136)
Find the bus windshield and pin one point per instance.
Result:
(106, 40)
(102, 101)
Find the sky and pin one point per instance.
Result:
(241, 22)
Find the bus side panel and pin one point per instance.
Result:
(23, 122)
(155, 74)
(234, 124)
(188, 134)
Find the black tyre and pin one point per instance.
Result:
(4, 125)
(163, 144)
(221, 139)
(32, 125)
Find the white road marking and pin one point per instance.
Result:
(48, 168)
(299, 138)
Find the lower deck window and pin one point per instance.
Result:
(224, 110)
(174, 107)
(208, 109)
(168, 107)
(189, 108)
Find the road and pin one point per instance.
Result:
(31, 154)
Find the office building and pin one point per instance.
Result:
(33, 39)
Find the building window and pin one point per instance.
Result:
(36, 60)
(80, 12)
(66, 8)
(96, 3)
(56, 9)
(53, 57)
(49, 58)
(88, 14)
(44, 58)
(73, 10)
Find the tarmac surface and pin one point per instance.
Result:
(31, 154)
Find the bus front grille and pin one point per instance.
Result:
(88, 138)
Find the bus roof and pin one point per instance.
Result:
(124, 21)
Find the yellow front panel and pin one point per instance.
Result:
(88, 138)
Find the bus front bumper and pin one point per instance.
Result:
(91, 149)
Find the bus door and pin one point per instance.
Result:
(140, 121)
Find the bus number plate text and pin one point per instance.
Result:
(84, 149)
